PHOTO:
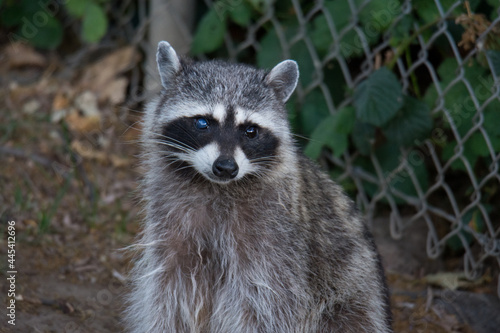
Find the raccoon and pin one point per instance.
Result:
(242, 233)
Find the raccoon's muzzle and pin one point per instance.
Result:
(225, 168)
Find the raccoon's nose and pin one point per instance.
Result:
(225, 167)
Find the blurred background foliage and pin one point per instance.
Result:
(40, 23)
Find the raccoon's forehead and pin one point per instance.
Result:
(216, 82)
(238, 115)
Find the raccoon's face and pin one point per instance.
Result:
(224, 122)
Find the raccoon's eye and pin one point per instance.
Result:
(201, 123)
(251, 132)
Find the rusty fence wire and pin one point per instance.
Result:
(457, 202)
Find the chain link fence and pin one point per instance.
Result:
(442, 53)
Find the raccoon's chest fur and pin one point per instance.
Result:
(225, 262)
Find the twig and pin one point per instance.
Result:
(20, 153)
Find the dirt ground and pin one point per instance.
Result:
(68, 178)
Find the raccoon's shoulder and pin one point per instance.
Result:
(315, 179)
(323, 197)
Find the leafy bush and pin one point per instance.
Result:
(39, 22)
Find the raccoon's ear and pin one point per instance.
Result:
(283, 78)
(168, 63)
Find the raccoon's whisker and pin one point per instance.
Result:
(265, 158)
(170, 139)
(184, 167)
(188, 133)
(183, 148)
(145, 245)
(302, 137)
(166, 137)
(171, 161)
(264, 161)
(131, 126)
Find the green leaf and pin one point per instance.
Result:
(378, 15)
(474, 148)
(428, 11)
(340, 12)
(494, 11)
(270, 52)
(332, 132)
(241, 14)
(12, 15)
(77, 7)
(378, 98)
(346, 117)
(324, 135)
(413, 122)
(94, 24)
(457, 164)
(494, 57)
(401, 30)
(448, 70)
(300, 54)
(490, 124)
(47, 36)
(44, 224)
(362, 135)
(389, 157)
(457, 99)
(455, 102)
(320, 33)
(334, 78)
(473, 219)
(314, 110)
(261, 5)
(210, 33)
(477, 144)
(351, 43)
(20, 12)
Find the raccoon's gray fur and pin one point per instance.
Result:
(242, 233)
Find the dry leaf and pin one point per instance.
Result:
(115, 91)
(31, 106)
(87, 103)
(87, 151)
(21, 55)
(60, 102)
(102, 76)
(451, 280)
(89, 117)
(475, 25)
(18, 95)
(118, 161)
(82, 124)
